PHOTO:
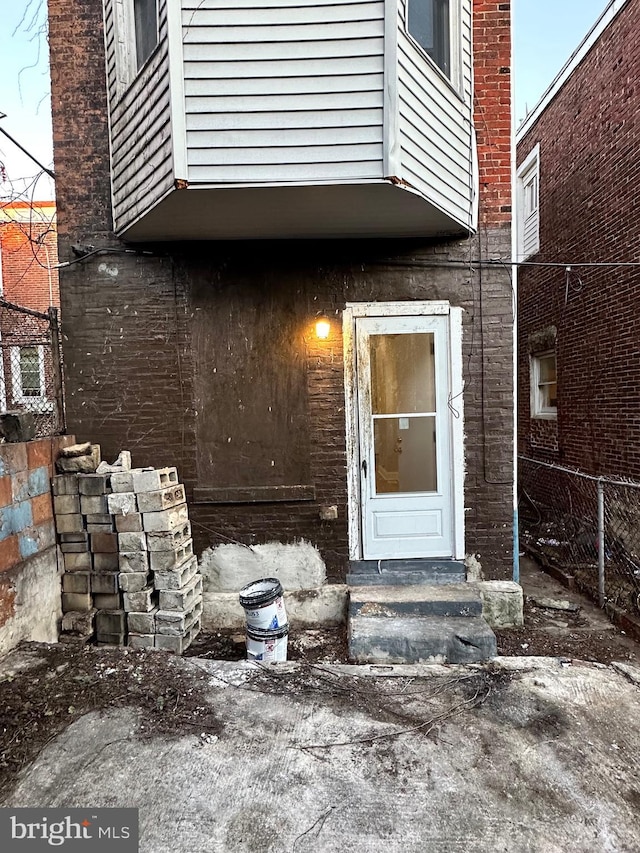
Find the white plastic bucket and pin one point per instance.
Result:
(267, 645)
(263, 604)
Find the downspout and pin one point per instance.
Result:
(514, 285)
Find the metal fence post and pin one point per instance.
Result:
(54, 327)
(601, 543)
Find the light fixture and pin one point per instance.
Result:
(323, 327)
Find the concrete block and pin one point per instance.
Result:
(133, 581)
(110, 639)
(415, 639)
(66, 504)
(100, 528)
(76, 601)
(132, 542)
(104, 583)
(17, 426)
(131, 523)
(80, 562)
(99, 518)
(175, 578)
(38, 482)
(141, 641)
(182, 599)
(122, 463)
(104, 543)
(152, 480)
(76, 582)
(166, 520)
(142, 623)
(122, 503)
(71, 523)
(94, 485)
(176, 624)
(74, 547)
(164, 561)
(178, 645)
(227, 568)
(107, 602)
(502, 603)
(168, 540)
(424, 600)
(93, 504)
(79, 449)
(65, 484)
(140, 602)
(86, 464)
(80, 536)
(162, 499)
(122, 481)
(79, 622)
(105, 562)
(133, 561)
(111, 622)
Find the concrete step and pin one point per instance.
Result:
(415, 639)
(404, 572)
(453, 599)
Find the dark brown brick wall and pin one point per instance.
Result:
(589, 178)
(130, 327)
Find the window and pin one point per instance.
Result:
(544, 396)
(145, 22)
(28, 378)
(428, 22)
(528, 211)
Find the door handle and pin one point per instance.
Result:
(364, 467)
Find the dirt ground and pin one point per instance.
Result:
(60, 683)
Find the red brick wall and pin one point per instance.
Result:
(29, 245)
(589, 139)
(492, 108)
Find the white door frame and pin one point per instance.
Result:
(354, 310)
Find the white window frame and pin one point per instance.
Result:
(528, 205)
(538, 408)
(39, 402)
(453, 76)
(127, 68)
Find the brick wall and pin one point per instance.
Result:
(589, 175)
(29, 583)
(137, 367)
(29, 246)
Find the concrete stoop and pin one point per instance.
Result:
(425, 623)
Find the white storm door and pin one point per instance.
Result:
(405, 436)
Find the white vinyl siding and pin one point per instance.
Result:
(283, 92)
(528, 206)
(140, 119)
(435, 118)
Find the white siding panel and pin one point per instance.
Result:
(284, 91)
(435, 121)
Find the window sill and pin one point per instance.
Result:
(253, 494)
(545, 416)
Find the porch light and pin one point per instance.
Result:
(323, 327)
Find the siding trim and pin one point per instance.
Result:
(391, 152)
(177, 105)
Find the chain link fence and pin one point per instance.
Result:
(587, 526)
(31, 366)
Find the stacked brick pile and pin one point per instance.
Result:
(159, 577)
(130, 573)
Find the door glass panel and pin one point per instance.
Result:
(405, 454)
(402, 374)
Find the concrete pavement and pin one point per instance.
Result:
(522, 754)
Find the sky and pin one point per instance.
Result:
(546, 34)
